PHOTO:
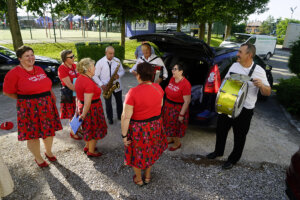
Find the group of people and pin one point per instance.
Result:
(146, 119)
(151, 118)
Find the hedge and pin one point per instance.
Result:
(97, 51)
(288, 93)
(294, 60)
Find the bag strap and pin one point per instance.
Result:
(150, 60)
(252, 70)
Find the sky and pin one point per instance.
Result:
(277, 9)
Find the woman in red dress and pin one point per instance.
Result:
(141, 124)
(90, 107)
(66, 73)
(175, 111)
(36, 110)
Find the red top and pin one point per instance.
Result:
(146, 100)
(20, 81)
(176, 91)
(85, 84)
(64, 71)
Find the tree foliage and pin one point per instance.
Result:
(294, 60)
(267, 26)
(282, 26)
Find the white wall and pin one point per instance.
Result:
(292, 34)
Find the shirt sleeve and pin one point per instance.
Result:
(129, 100)
(187, 89)
(89, 87)
(10, 85)
(134, 66)
(62, 72)
(96, 77)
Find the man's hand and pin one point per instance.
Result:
(258, 83)
(159, 80)
(117, 76)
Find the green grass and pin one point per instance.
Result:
(53, 50)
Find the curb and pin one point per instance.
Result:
(292, 121)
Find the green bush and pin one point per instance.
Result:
(294, 60)
(288, 93)
(96, 52)
(280, 41)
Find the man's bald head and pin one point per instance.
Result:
(109, 52)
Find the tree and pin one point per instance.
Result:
(9, 7)
(267, 25)
(282, 26)
(238, 10)
(294, 60)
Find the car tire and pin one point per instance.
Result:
(268, 56)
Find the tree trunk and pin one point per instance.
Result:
(228, 30)
(178, 23)
(209, 32)
(201, 31)
(14, 24)
(123, 31)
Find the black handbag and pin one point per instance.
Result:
(66, 95)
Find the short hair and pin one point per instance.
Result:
(145, 70)
(64, 54)
(84, 64)
(109, 47)
(147, 45)
(181, 67)
(21, 50)
(250, 48)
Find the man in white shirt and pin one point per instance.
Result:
(105, 67)
(241, 124)
(153, 60)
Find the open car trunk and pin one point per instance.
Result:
(195, 55)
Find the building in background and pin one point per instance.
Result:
(253, 27)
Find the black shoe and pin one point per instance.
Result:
(227, 165)
(212, 155)
(110, 121)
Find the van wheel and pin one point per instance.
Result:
(268, 56)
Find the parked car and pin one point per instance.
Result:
(293, 177)
(9, 60)
(199, 59)
(265, 44)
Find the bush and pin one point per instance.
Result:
(288, 93)
(96, 52)
(294, 60)
(280, 41)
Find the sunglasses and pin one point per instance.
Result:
(71, 57)
(174, 69)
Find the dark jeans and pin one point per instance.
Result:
(240, 127)
(108, 106)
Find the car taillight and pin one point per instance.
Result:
(213, 80)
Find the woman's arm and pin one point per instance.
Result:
(187, 100)
(13, 96)
(68, 83)
(87, 104)
(125, 119)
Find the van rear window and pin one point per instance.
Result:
(238, 38)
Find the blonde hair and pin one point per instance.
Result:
(84, 64)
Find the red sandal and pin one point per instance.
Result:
(72, 136)
(52, 159)
(85, 149)
(137, 182)
(42, 165)
(89, 154)
(174, 148)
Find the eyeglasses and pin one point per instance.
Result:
(174, 69)
(71, 57)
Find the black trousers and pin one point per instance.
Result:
(108, 106)
(240, 126)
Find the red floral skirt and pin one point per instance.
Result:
(67, 110)
(37, 118)
(94, 125)
(148, 142)
(172, 126)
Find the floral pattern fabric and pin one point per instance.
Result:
(37, 118)
(67, 110)
(172, 126)
(94, 125)
(148, 142)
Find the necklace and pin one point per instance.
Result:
(27, 70)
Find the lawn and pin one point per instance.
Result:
(53, 50)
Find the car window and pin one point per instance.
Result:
(238, 38)
(252, 40)
(2, 60)
(8, 53)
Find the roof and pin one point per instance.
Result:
(257, 23)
